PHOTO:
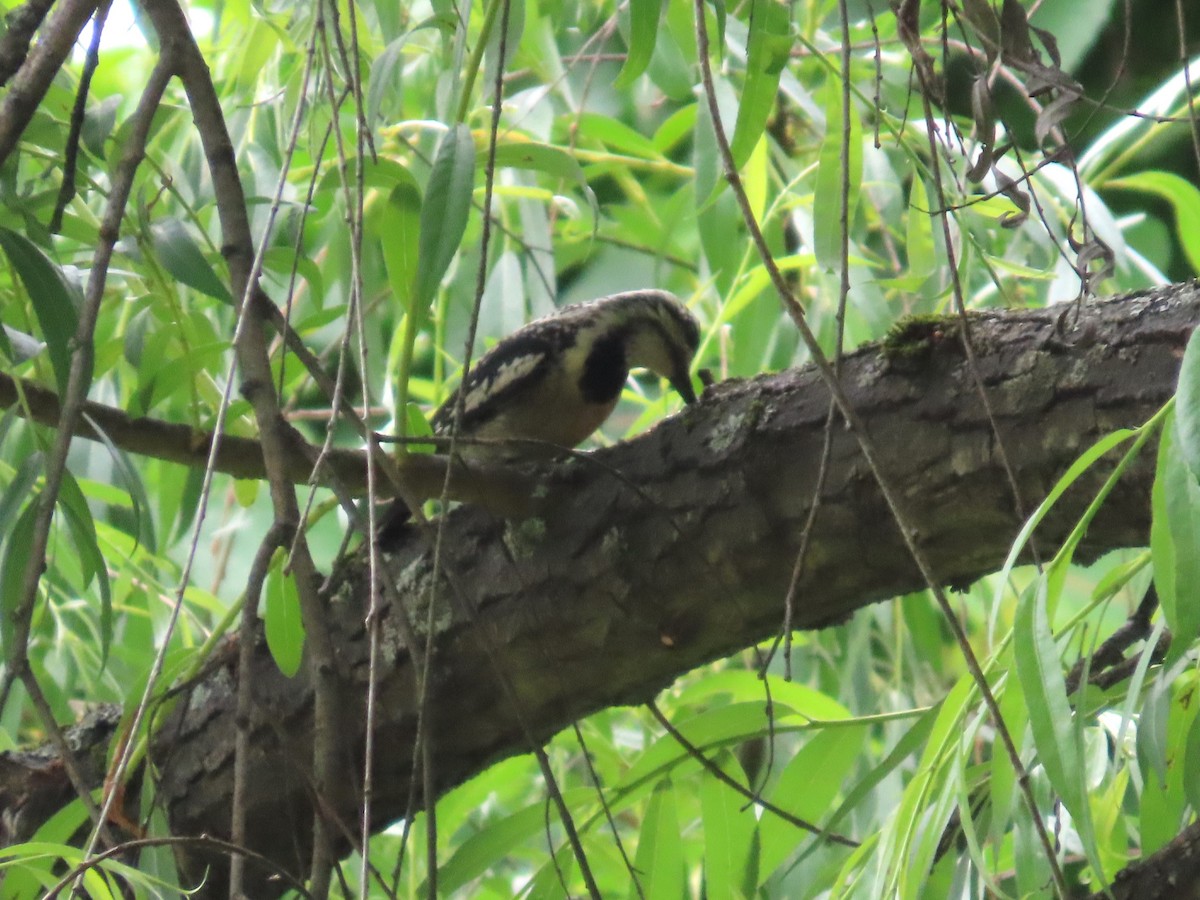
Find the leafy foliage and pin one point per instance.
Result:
(608, 176)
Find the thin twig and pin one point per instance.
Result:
(66, 190)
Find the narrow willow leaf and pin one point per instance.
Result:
(181, 256)
(1040, 672)
(1184, 199)
(18, 489)
(827, 195)
(1174, 537)
(386, 79)
(489, 847)
(417, 426)
(17, 346)
(550, 160)
(282, 622)
(768, 48)
(54, 301)
(643, 32)
(395, 222)
(615, 135)
(675, 129)
(711, 729)
(808, 786)
(914, 738)
(730, 868)
(755, 178)
(1167, 721)
(130, 475)
(1052, 721)
(444, 212)
(91, 560)
(28, 871)
(1085, 461)
(1187, 405)
(12, 572)
(659, 860)
(719, 224)
(919, 232)
(1002, 786)
(540, 157)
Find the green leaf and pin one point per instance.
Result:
(807, 788)
(709, 730)
(1085, 461)
(1174, 537)
(417, 427)
(539, 157)
(17, 346)
(12, 572)
(497, 839)
(919, 232)
(444, 212)
(1052, 721)
(54, 300)
(129, 474)
(1167, 721)
(710, 173)
(91, 560)
(387, 77)
(395, 222)
(1187, 405)
(914, 738)
(677, 127)
(1003, 782)
(30, 874)
(768, 49)
(744, 686)
(827, 195)
(1184, 198)
(756, 179)
(659, 860)
(18, 489)
(643, 32)
(730, 826)
(1051, 717)
(180, 255)
(282, 621)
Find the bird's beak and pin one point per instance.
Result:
(682, 382)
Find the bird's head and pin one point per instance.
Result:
(660, 334)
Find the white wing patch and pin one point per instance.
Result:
(506, 374)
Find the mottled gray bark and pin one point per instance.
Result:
(663, 553)
(675, 549)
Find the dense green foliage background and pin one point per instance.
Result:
(608, 177)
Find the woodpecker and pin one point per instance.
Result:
(556, 380)
(550, 384)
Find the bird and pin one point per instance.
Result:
(552, 383)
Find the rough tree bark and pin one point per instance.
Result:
(675, 549)
(655, 556)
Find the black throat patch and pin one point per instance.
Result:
(605, 370)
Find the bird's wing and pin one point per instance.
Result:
(512, 367)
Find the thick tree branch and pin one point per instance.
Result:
(38, 68)
(622, 583)
(497, 487)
